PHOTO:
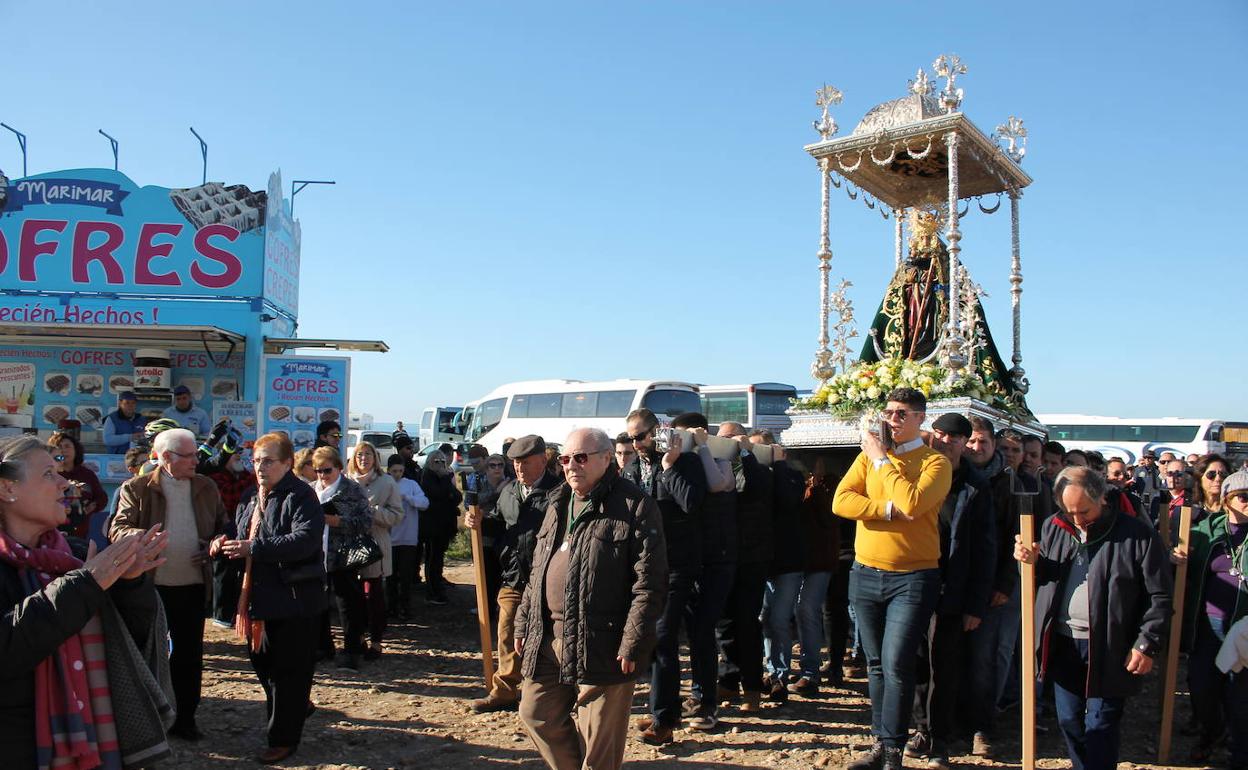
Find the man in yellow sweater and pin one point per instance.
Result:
(895, 494)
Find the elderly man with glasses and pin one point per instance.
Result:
(894, 490)
(188, 507)
(587, 623)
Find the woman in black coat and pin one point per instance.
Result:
(52, 597)
(438, 522)
(283, 594)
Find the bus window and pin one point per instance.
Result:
(615, 403)
(726, 407)
(773, 401)
(446, 420)
(519, 407)
(487, 415)
(1177, 434)
(426, 420)
(669, 403)
(579, 405)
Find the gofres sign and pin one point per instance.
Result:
(93, 231)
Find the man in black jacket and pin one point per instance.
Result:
(968, 542)
(1102, 612)
(677, 483)
(516, 519)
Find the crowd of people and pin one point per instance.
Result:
(604, 558)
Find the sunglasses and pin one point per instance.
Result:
(1211, 475)
(334, 435)
(323, 471)
(640, 436)
(900, 414)
(1173, 474)
(580, 458)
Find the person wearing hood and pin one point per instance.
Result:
(1102, 612)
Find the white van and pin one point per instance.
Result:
(437, 426)
(382, 442)
(761, 405)
(554, 408)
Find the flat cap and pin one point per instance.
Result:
(526, 446)
(952, 423)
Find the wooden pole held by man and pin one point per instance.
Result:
(1027, 660)
(483, 600)
(1170, 675)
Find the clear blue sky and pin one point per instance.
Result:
(586, 190)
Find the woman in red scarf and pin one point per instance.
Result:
(55, 704)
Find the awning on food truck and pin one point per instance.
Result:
(212, 337)
(279, 345)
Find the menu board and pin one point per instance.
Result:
(82, 383)
(300, 392)
(241, 414)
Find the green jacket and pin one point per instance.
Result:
(1209, 530)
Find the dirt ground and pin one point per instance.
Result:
(410, 709)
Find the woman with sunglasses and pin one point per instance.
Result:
(1210, 471)
(347, 516)
(438, 522)
(387, 504)
(56, 704)
(1217, 596)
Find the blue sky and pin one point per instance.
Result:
(591, 190)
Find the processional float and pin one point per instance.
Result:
(921, 162)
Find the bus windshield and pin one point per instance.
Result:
(485, 417)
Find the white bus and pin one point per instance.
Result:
(554, 408)
(1128, 439)
(437, 426)
(759, 405)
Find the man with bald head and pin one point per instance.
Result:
(1089, 546)
(587, 623)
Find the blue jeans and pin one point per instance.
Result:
(779, 607)
(992, 647)
(810, 621)
(665, 672)
(702, 613)
(893, 610)
(1091, 726)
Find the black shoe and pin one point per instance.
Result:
(347, 661)
(187, 732)
(777, 692)
(919, 745)
(893, 759)
(937, 756)
(438, 600)
(873, 759)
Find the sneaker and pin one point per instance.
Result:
(222, 623)
(981, 745)
(690, 707)
(919, 745)
(703, 722)
(893, 759)
(873, 759)
(346, 661)
(805, 687)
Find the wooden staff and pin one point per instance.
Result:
(483, 599)
(1027, 659)
(1171, 673)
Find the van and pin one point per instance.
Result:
(383, 442)
(437, 426)
(554, 408)
(758, 406)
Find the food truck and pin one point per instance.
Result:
(108, 287)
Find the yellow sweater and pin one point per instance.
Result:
(916, 482)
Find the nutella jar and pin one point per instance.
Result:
(152, 372)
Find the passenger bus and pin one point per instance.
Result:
(1128, 439)
(760, 405)
(554, 408)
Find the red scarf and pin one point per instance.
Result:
(251, 631)
(73, 710)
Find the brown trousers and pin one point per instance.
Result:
(506, 683)
(575, 727)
